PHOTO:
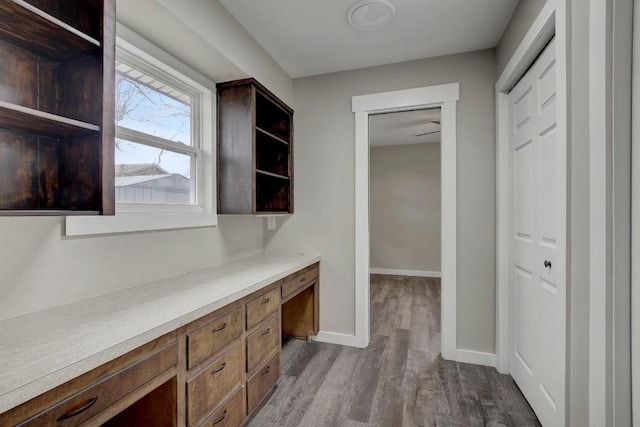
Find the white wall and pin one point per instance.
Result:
(405, 207)
(203, 34)
(523, 16)
(324, 190)
(40, 268)
(635, 218)
(578, 292)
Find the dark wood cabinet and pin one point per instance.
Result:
(255, 150)
(57, 84)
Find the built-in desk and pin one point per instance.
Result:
(201, 348)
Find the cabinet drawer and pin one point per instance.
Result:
(262, 343)
(230, 414)
(207, 390)
(262, 382)
(212, 337)
(91, 401)
(299, 282)
(261, 307)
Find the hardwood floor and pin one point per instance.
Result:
(399, 380)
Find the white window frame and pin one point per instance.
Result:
(132, 217)
(146, 64)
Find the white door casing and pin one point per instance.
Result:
(444, 96)
(538, 265)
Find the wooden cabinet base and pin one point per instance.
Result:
(213, 371)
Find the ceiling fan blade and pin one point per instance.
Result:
(428, 133)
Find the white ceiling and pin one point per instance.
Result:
(310, 37)
(402, 127)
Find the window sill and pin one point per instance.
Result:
(130, 223)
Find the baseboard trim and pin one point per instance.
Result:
(475, 357)
(412, 273)
(336, 338)
(459, 355)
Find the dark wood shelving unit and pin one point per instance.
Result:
(57, 88)
(255, 150)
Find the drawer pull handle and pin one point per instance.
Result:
(221, 419)
(224, 365)
(266, 370)
(266, 332)
(266, 300)
(224, 325)
(303, 279)
(78, 411)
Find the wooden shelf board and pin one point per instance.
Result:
(265, 214)
(272, 136)
(25, 119)
(45, 212)
(27, 26)
(273, 175)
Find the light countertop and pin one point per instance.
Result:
(42, 350)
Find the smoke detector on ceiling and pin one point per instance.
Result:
(370, 14)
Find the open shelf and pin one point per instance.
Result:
(271, 118)
(17, 117)
(26, 25)
(271, 156)
(271, 136)
(158, 408)
(33, 85)
(272, 193)
(49, 174)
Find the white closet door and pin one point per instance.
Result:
(537, 285)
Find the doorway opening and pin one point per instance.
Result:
(443, 97)
(405, 183)
(405, 218)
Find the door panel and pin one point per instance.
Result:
(525, 192)
(526, 346)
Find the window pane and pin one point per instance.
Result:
(150, 106)
(147, 174)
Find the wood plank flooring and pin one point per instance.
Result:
(399, 380)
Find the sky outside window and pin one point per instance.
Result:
(152, 107)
